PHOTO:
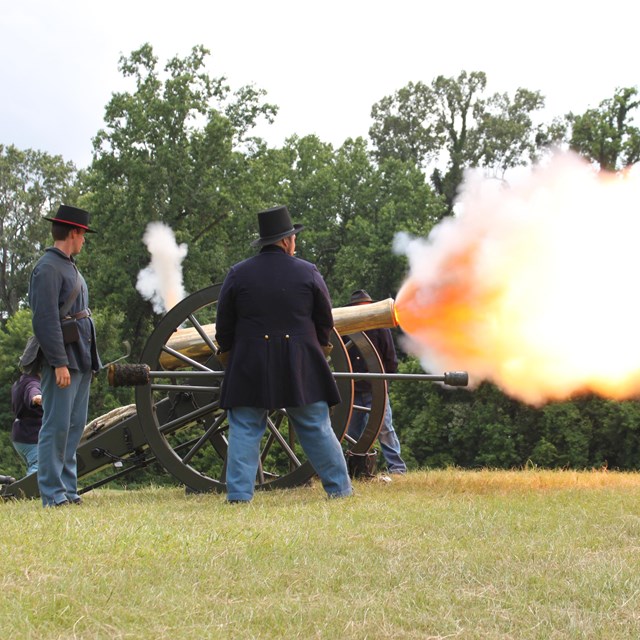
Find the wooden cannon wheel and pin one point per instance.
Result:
(186, 429)
(378, 394)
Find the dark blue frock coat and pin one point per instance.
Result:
(273, 315)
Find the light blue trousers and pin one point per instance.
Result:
(29, 453)
(312, 425)
(63, 421)
(388, 438)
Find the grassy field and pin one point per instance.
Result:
(437, 554)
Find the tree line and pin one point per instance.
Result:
(179, 148)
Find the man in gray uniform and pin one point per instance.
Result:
(68, 362)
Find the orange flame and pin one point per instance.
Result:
(535, 287)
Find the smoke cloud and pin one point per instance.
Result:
(161, 281)
(532, 285)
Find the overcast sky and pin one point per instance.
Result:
(323, 63)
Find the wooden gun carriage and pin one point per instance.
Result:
(177, 421)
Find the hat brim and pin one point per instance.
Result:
(261, 242)
(71, 224)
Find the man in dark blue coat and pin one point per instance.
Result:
(273, 325)
(67, 368)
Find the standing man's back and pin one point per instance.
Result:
(281, 318)
(273, 325)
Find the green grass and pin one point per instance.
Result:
(438, 554)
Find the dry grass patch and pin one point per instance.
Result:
(435, 554)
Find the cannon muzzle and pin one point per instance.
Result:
(456, 378)
(362, 317)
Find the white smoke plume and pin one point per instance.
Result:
(161, 281)
(532, 285)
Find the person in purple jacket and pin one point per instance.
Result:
(26, 404)
(274, 319)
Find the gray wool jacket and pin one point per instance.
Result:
(52, 281)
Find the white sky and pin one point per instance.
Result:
(323, 63)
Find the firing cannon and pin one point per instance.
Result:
(177, 420)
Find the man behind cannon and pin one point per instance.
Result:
(273, 324)
(382, 340)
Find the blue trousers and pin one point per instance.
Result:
(388, 438)
(63, 421)
(312, 425)
(29, 453)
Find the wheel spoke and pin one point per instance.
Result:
(359, 407)
(203, 439)
(187, 418)
(283, 443)
(271, 427)
(203, 334)
(185, 359)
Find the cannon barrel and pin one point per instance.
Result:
(347, 320)
(192, 344)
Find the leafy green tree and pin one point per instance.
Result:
(406, 126)
(451, 123)
(615, 435)
(505, 135)
(607, 135)
(352, 208)
(397, 200)
(482, 433)
(569, 431)
(312, 192)
(176, 150)
(423, 414)
(544, 454)
(32, 184)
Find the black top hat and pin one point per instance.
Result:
(72, 216)
(274, 225)
(359, 296)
